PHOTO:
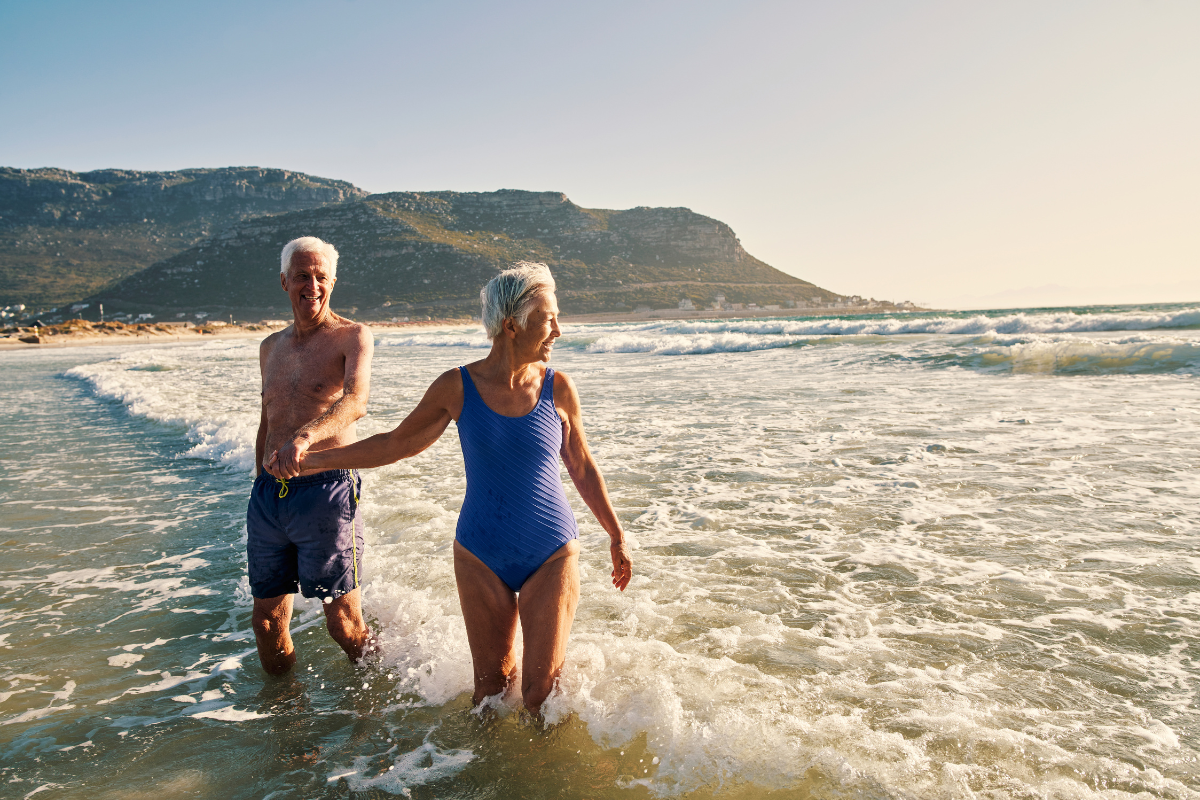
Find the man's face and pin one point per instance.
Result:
(309, 285)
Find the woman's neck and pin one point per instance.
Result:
(504, 366)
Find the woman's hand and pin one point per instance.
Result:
(622, 564)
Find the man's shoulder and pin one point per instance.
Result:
(273, 339)
(358, 334)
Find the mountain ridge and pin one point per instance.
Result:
(212, 239)
(65, 235)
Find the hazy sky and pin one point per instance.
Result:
(951, 153)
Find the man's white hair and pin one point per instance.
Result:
(513, 293)
(309, 244)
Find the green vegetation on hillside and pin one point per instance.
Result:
(67, 235)
(209, 240)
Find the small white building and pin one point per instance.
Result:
(686, 305)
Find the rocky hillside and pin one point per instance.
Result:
(65, 235)
(428, 253)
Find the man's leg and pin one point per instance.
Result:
(490, 610)
(271, 619)
(344, 619)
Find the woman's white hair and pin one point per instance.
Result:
(513, 293)
(309, 244)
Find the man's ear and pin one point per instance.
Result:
(283, 281)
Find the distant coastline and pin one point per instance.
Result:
(80, 333)
(117, 333)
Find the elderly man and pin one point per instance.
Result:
(304, 527)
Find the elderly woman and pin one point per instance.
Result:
(516, 551)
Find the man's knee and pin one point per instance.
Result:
(345, 621)
(271, 622)
(346, 628)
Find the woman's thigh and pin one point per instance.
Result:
(489, 610)
(547, 607)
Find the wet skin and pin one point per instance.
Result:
(509, 381)
(316, 377)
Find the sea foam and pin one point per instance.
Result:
(167, 386)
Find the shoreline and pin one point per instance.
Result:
(122, 337)
(118, 334)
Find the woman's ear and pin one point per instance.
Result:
(510, 327)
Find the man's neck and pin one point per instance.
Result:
(307, 327)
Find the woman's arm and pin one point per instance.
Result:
(587, 478)
(418, 431)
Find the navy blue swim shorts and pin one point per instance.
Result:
(305, 534)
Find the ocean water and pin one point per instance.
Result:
(912, 556)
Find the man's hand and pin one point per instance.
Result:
(622, 564)
(268, 464)
(287, 461)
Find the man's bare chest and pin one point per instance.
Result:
(295, 373)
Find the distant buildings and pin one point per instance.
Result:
(686, 305)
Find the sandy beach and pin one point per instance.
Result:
(116, 333)
(73, 334)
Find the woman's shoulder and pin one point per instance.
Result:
(564, 387)
(450, 381)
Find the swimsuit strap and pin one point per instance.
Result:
(545, 395)
(468, 383)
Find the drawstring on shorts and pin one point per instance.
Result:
(354, 528)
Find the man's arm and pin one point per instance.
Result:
(581, 466)
(260, 441)
(348, 409)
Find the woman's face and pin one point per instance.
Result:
(536, 339)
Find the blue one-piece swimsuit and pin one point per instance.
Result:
(515, 514)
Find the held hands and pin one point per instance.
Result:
(287, 461)
(622, 564)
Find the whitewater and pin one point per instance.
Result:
(941, 555)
